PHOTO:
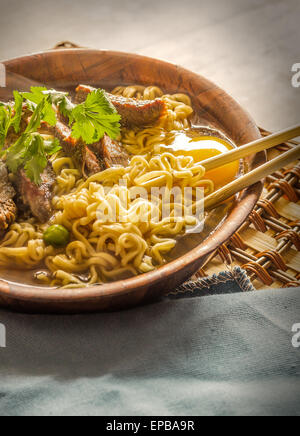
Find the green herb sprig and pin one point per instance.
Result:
(89, 121)
(94, 118)
(30, 151)
(10, 118)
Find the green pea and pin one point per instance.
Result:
(57, 236)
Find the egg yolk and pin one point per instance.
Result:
(202, 148)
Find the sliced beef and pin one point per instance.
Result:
(113, 153)
(76, 149)
(93, 158)
(92, 164)
(8, 209)
(110, 153)
(140, 113)
(37, 198)
(134, 112)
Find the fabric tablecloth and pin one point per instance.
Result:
(226, 354)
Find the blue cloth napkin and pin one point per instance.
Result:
(226, 354)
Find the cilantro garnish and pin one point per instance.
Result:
(62, 102)
(88, 121)
(95, 117)
(37, 97)
(18, 111)
(36, 159)
(59, 99)
(10, 118)
(5, 122)
(30, 151)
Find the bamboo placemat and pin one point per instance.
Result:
(267, 245)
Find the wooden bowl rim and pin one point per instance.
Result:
(244, 207)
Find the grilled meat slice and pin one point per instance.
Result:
(37, 198)
(134, 112)
(110, 153)
(113, 153)
(8, 209)
(82, 155)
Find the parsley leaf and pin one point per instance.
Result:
(36, 159)
(16, 153)
(59, 99)
(18, 108)
(95, 117)
(8, 120)
(97, 101)
(39, 98)
(5, 122)
(36, 95)
(51, 146)
(31, 150)
(89, 120)
(48, 114)
(64, 104)
(42, 112)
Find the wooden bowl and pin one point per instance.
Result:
(67, 68)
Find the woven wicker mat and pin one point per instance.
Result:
(267, 245)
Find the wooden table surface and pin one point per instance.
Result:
(248, 47)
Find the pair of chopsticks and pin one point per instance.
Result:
(257, 174)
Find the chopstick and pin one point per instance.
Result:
(251, 148)
(251, 178)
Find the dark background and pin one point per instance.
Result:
(248, 47)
